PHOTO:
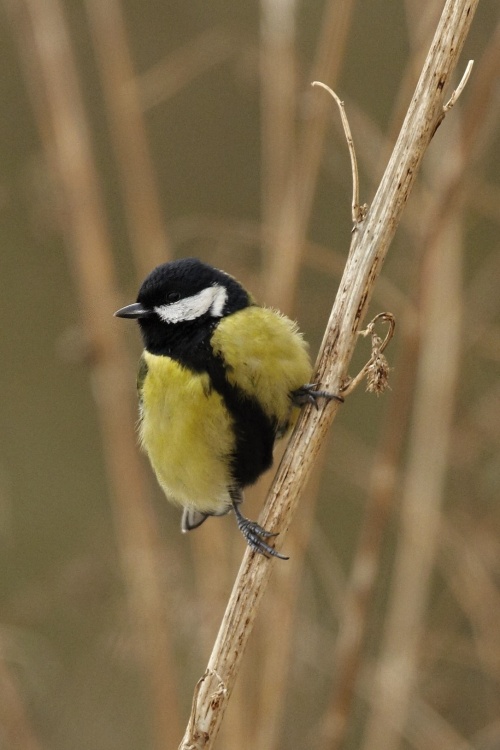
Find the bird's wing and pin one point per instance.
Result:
(265, 356)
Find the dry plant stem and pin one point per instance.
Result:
(463, 83)
(294, 209)
(357, 210)
(369, 247)
(147, 232)
(53, 83)
(420, 21)
(278, 94)
(15, 726)
(476, 591)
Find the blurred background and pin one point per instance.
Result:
(133, 133)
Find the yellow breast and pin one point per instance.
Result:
(187, 433)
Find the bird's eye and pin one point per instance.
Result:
(173, 296)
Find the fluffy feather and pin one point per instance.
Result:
(187, 433)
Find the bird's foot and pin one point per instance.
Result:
(307, 394)
(256, 535)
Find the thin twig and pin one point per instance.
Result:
(453, 98)
(368, 250)
(296, 203)
(456, 93)
(358, 212)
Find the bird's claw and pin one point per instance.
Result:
(248, 527)
(307, 394)
(255, 535)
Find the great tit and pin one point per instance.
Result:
(220, 379)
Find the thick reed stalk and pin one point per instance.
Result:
(146, 227)
(15, 726)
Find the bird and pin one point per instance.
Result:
(220, 379)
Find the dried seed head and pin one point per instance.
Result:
(377, 374)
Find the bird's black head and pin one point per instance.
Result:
(180, 303)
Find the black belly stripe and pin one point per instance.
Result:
(255, 432)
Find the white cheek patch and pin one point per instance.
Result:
(220, 299)
(212, 299)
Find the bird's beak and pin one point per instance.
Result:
(135, 310)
